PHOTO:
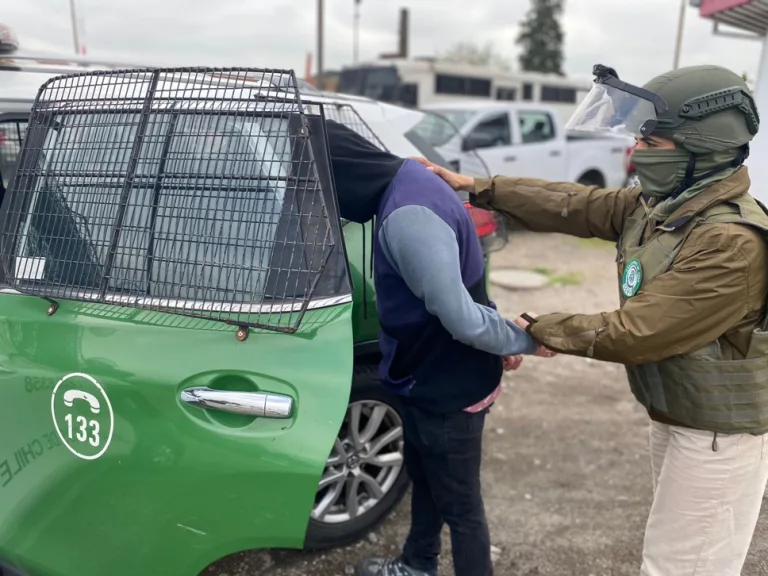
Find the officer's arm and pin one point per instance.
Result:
(701, 297)
(543, 206)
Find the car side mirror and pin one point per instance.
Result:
(478, 140)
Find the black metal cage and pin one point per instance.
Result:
(12, 132)
(191, 191)
(345, 114)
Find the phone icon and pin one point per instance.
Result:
(71, 395)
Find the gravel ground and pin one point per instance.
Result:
(566, 472)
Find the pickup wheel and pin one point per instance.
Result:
(592, 178)
(364, 478)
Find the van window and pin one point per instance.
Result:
(527, 92)
(462, 85)
(535, 126)
(409, 94)
(506, 94)
(379, 83)
(558, 94)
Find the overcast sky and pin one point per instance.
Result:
(634, 36)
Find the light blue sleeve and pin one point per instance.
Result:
(424, 251)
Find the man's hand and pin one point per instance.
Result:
(458, 182)
(541, 351)
(512, 362)
(544, 352)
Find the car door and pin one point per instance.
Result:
(175, 331)
(539, 150)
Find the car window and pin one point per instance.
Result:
(456, 117)
(438, 127)
(425, 148)
(535, 126)
(496, 129)
(12, 134)
(435, 130)
(193, 181)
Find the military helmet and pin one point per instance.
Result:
(702, 108)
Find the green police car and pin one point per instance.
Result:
(187, 330)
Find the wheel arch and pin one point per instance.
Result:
(592, 177)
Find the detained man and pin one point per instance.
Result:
(443, 345)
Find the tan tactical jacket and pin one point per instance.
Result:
(714, 290)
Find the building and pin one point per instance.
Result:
(747, 15)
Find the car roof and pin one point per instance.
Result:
(232, 83)
(388, 122)
(15, 105)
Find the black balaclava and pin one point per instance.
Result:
(362, 172)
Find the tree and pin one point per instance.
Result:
(476, 55)
(541, 37)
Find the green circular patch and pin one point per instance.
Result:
(632, 278)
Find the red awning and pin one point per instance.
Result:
(748, 15)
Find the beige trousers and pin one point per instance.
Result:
(705, 503)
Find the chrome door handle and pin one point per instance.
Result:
(264, 405)
(510, 158)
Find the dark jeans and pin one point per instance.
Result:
(442, 455)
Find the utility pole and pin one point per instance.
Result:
(320, 15)
(679, 40)
(356, 33)
(75, 35)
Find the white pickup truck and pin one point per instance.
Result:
(524, 140)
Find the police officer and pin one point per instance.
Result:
(691, 328)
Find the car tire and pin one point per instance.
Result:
(366, 390)
(592, 178)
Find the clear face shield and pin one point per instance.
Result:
(618, 108)
(606, 109)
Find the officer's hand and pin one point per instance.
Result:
(542, 351)
(512, 362)
(456, 181)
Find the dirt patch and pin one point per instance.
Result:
(566, 473)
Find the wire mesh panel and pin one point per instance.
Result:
(193, 191)
(345, 114)
(12, 134)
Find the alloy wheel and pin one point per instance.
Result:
(365, 462)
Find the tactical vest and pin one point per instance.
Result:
(699, 390)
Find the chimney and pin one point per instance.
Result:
(308, 70)
(403, 33)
